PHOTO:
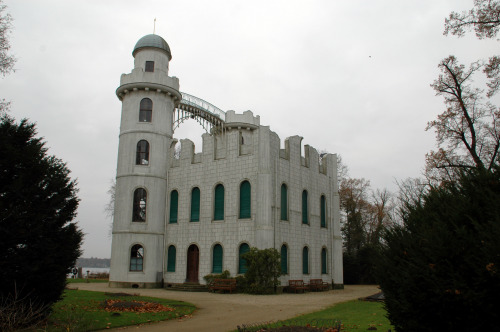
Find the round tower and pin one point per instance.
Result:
(148, 97)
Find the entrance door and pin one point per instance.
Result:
(192, 263)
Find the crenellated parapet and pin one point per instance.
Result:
(311, 158)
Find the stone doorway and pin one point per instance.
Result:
(193, 258)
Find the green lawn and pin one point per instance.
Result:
(354, 315)
(82, 311)
(80, 280)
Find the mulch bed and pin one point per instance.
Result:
(134, 306)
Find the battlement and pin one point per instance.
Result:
(244, 137)
(245, 120)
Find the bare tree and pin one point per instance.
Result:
(484, 19)
(109, 208)
(6, 61)
(468, 132)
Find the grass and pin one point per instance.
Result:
(80, 280)
(354, 315)
(82, 311)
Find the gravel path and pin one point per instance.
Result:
(224, 312)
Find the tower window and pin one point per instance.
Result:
(195, 204)
(174, 206)
(323, 261)
(150, 66)
(323, 211)
(146, 110)
(139, 210)
(171, 259)
(219, 202)
(142, 153)
(245, 200)
(284, 202)
(284, 259)
(305, 260)
(217, 259)
(242, 263)
(136, 258)
(305, 214)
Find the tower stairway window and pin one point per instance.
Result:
(139, 210)
(146, 110)
(142, 153)
(136, 258)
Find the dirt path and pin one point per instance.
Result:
(224, 312)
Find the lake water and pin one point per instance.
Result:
(92, 270)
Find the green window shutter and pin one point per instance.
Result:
(242, 266)
(195, 204)
(284, 259)
(284, 201)
(174, 206)
(171, 259)
(323, 261)
(305, 260)
(323, 211)
(219, 202)
(245, 200)
(217, 259)
(305, 219)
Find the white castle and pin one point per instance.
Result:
(179, 217)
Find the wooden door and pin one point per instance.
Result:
(192, 263)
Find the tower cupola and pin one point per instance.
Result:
(152, 41)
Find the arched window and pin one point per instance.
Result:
(242, 263)
(174, 206)
(245, 200)
(217, 259)
(142, 153)
(305, 260)
(219, 202)
(323, 261)
(139, 209)
(146, 110)
(171, 259)
(284, 259)
(284, 202)
(323, 211)
(136, 257)
(305, 214)
(195, 204)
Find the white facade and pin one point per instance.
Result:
(243, 155)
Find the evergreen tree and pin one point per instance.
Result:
(440, 269)
(39, 243)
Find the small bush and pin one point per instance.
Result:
(263, 270)
(209, 278)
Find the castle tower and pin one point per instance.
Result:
(148, 97)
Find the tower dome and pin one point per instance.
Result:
(152, 41)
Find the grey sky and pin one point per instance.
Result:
(351, 77)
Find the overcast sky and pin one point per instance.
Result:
(352, 77)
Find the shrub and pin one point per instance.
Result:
(210, 277)
(263, 270)
(442, 264)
